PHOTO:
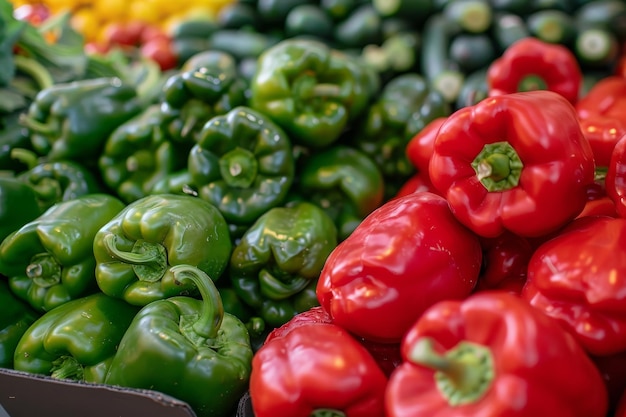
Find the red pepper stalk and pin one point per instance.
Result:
(516, 162)
(493, 355)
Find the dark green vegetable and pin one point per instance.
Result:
(361, 27)
(76, 340)
(279, 257)
(17, 316)
(18, 205)
(136, 250)
(242, 164)
(50, 260)
(190, 349)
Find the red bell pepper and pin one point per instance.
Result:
(615, 180)
(602, 114)
(493, 355)
(418, 182)
(420, 147)
(317, 369)
(532, 64)
(505, 259)
(516, 162)
(579, 278)
(406, 255)
(613, 371)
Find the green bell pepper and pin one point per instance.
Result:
(311, 90)
(16, 318)
(49, 261)
(243, 164)
(56, 181)
(72, 120)
(136, 250)
(138, 154)
(345, 182)
(192, 97)
(405, 106)
(279, 257)
(12, 136)
(77, 340)
(188, 348)
(18, 205)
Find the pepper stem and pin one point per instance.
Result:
(327, 412)
(67, 367)
(35, 126)
(532, 82)
(148, 259)
(498, 166)
(239, 168)
(209, 322)
(278, 289)
(462, 375)
(44, 270)
(25, 156)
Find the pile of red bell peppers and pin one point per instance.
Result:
(315, 221)
(494, 283)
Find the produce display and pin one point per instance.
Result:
(330, 208)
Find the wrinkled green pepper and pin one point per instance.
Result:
(18, 205)
(343, 181)
(138, 154)
(243, 164)
(279, 257)
(16, 318)
(73, 120)
(77, 340)
(136, 250)
(56, 181)
(405, 106)
(188, 348)
(12, 136)
(50, 261)
(311, 90)
(192, 97)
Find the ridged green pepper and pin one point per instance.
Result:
(12, 136)
(243, 164)
(345, 182)
(72, 120)
(18, 205)
(192, 97)
(136, 250)
(56, 181)
(279, 257)
(16, 318)
(138, 154)
(405, 106)
(77, 340)
(311, 90)
(50, 261)
(188, 348)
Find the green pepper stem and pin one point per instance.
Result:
(149, 260)
(327, 412)
(32, 67)
(532, 82)
(498, 166)
(33, 125)
(277, 289)
(67, 367)
(239, 168)
(463, 375)
(25, 156)
(44, 270)
(212, 314)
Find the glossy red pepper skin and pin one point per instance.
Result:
(532, 64)
(420, 147)
(550, 164)
(615, 180)
(579, 278)
(602, 113)
(532, 367)
(406, 255)
(316, 367)
(418, 182)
